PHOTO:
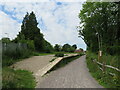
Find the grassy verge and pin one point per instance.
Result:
(105, 79)
(63, 62)
(17, 78)
(8, 60)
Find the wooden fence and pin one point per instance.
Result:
(107, 66)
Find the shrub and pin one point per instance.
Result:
(59, 54)
(81, 54)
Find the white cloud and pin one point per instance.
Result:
(51, 13)
(43, 0)
(8, 26)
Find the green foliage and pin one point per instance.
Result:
(17, 79)
(59, 54)
(48, 47)
(100, 26)
(10, 57)
(5, 40)
(68, 48)
(81, 54)
(57, 48)
(30, 44)
(31, 35)
(104, 79)
(74, 46)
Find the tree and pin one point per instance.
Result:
(57, 48)
(30, 31)
(5, 40)
(48, 47)
(99, 26)
(68, 48)
(74, 46)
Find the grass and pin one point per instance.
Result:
(105, 79)
(17, 78)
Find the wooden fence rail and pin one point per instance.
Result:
(108, 66)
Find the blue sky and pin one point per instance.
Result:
(57, 20)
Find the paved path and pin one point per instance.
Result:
(73, 75)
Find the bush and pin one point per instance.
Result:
(81, 54)
(12, 52)
(59, 54)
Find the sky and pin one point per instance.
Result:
(57, 19)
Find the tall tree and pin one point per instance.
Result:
(74, 46)
(57, 48)
(67, 48)
(99, 26)
(30, 31)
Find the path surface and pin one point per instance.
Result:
(34, 63)
(73, 75)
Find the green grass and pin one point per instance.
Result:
(105, 79)
(17, 78)
(8, 60)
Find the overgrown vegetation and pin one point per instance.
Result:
(104, 78)
(17, 78)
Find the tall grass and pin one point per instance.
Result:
(12, 53)
(10, 57)
(104, 78)
(17, 78)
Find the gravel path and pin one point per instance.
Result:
(34, 63)
(73, 75)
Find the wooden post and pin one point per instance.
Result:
(99, 55)
(103, 66)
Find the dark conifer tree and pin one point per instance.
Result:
(31, 32)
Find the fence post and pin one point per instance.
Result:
(103, 67)
(99, 55)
